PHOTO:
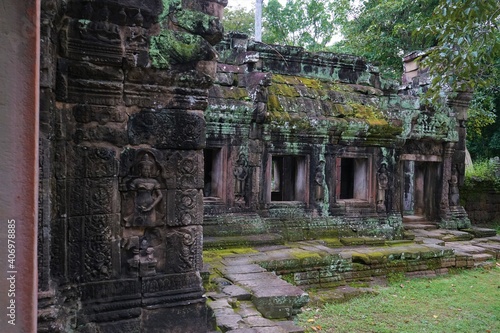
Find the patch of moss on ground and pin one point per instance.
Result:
(332, 242)
(301, 254)
(214, 255)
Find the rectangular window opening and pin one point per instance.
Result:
(213, 173)
(352, 182)
(288, 178)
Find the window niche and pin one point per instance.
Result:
(352, 178)
(288, 178)
(214, 175)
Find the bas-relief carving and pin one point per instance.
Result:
(240, 173)
(454, 191)
(184, 246)
(423, 147)
(143, 214)
(144, 195)
(319, 181)
(167, 129)
(382, 187)
(188, 207)
(99, 45)
(91, 247)
(171, 283)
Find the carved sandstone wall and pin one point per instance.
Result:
(308, 144)
(124, 89)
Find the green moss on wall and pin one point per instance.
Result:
(171, 47)
(283, 90)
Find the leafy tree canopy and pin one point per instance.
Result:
(384, 30)
(307, 23)
(240, 20)
(467, 44)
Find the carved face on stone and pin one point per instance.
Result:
(146, 167)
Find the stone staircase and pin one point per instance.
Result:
(417, 222)
(249, 297)
(253, 296)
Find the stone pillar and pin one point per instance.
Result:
(460, 104)
(130, 90)
(19, 37)
(444, 205)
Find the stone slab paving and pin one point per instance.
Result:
(256, 299)
(444, 234)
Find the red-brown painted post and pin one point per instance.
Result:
(19, 91)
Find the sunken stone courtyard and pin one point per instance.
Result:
(192, 181)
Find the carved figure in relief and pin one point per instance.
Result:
(319, 179)
(147, 195)
(382, 183)
(454, 192)
(240, 173)
(143, 261)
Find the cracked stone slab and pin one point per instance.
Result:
(259, 321)
(272, 329)
(250, 276)
(433, 241)
(230, 322)
(237, 292)
(242, 269)
(219, 304)
(247, 309)
(290, 326)
(466, 248)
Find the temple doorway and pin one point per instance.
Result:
(421, 189)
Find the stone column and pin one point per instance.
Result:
(444, 205)
(19, 61)
(460, 104)
(130, 90)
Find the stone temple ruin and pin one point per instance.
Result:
(301, 145)
(158, 135)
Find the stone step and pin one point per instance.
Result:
(272, 296)
(491, 248)
(444, 234)
(481, 232)
(210, 242)
(414, 219)
(481, 257)
(233, 316)
(421, 226)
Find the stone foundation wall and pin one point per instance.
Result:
(482, 203)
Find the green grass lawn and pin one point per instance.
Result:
(468, 301)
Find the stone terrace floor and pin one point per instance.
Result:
(261, 291)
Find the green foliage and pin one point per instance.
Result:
(483, 171)
(240, 20)
(394, 278)
(306, 23)
(468, 45)
(462, 303)
(481, 113)
(383, 31)
(483, 125)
